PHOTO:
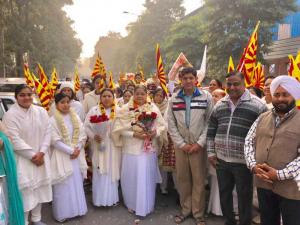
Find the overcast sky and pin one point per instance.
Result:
(94, 18)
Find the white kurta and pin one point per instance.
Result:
(90, 100)
(30, 133)
(106, 159)
(68, 192)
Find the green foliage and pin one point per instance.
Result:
(42, 30)
(139, 46)
(229, 24)
(185, 36)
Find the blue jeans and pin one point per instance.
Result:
(230, 175)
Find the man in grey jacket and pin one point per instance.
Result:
(229, 124)
(188, 115)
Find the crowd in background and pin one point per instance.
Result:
(137, 135)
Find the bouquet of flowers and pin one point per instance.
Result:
(100, 127)
(145, 121)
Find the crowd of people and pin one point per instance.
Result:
(137, 134)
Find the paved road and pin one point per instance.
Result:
(165, 210)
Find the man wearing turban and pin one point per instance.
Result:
(272, 149)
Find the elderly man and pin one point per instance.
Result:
(228, 126)
(272, 153)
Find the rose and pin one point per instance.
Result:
(98, 119)
(153, 115)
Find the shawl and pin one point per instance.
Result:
(15, 202)
(100, 157)
(126, 115)
(61, 165)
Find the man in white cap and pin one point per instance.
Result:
(272, 153)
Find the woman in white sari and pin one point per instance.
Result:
(106, 157)
(29, 130)
(68, 165)
(140, 172)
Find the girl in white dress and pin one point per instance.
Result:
(29, 130)
(68, 165)
(140, 172)
(106, 157)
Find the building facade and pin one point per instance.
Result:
(286, 37)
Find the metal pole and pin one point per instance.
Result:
(3, 46)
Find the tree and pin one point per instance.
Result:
(138, 47)
(41, 30)
(229, 24)
(185, 36)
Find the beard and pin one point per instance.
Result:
(284, 107)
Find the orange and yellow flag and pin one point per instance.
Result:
(230, 65)
(96, 69)
(160, 71)
(43, 95)
(111, 84)
(140, 69)
(294, 71)
(248, 60)
(27, 75)
(76, 81)
(99, 68)
(259, 77)
(53, 83)
(43, 78)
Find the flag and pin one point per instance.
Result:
(99, 68)
(27, 75)
(294, 71)
(248, 59)
(76, 81)
(102, 69)
(140, 69)
(160, 71)
(111, 84)
(202, 71)
(230, 65)
(43, 95)
(180, 61)
(96, 69)
(259, 77)
(53, 83)
(43, 78)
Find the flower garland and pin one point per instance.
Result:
(112, 110)
(63, 129)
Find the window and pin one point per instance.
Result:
(7, 103)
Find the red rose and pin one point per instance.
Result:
(153, 115)
(93, 119)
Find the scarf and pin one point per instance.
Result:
(15, 201)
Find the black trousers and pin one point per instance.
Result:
(230, 175)
(272, 206)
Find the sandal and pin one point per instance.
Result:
(131, 211)
(180, 218)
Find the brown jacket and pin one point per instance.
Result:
(278, 146)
